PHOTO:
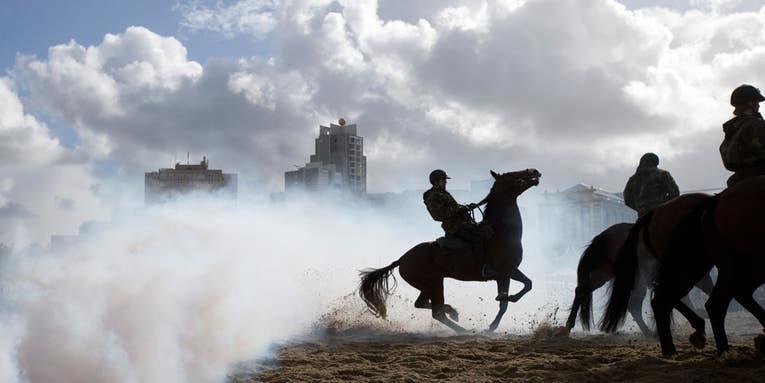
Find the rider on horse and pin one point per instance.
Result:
(743, 149)
(649, 186)
(455, 218)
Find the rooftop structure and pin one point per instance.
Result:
(167, 183)
(338, 162)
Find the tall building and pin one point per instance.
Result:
(339, 162)
(166, 183)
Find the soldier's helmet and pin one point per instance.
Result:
(744, 94)
(438, 175)
(649, 159)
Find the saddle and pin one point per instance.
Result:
(452, 243)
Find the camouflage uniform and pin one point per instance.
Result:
(743, 149)
(443, 208)
(649, 187)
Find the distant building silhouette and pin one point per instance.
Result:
(575, 215)
(166, 183)
(338, 163)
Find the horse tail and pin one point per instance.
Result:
(594, 254)
(625, 270)
(374, 288)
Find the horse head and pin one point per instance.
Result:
(514, 184)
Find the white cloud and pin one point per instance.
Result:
(579, 90)
(254, 17)
(23, 139)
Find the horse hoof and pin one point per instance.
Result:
(452, 313)
(561, 331)
(502, 298)
(649, 334)
(759, 343)
(669, 352)
(698, 340)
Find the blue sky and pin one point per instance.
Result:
(32, 26)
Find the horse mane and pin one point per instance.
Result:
(489, 199)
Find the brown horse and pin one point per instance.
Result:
(427, 264)
(596, 268)
(655, 229)
(727, 232)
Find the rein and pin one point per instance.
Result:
(484, 201)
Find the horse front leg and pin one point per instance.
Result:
(717, 308)
(503, 287)
(520, 277)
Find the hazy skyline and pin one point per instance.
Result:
(94, 96)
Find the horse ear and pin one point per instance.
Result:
(495, 175)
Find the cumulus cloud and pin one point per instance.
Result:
(23, 139)
(596, 84)
(578, 90)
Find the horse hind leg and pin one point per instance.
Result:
(422, 301)
(662, 311)
(635, 307)
(439, 310)
(698, 338)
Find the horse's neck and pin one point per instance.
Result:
(504, 216)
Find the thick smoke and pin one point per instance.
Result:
(182, 292)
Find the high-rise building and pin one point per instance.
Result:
(338, 162)
(166, 183)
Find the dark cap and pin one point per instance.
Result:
(649, 159)
(438, 175)
(744, 94)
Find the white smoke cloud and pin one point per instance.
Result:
(183, 292)
(36, 174)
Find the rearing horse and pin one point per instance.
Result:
(427, 264)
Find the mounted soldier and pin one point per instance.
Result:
(649, 186)
(743, 148)
(456, 219)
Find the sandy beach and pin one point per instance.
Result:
(366, 355)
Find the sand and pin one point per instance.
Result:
(368, 355)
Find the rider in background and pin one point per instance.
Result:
(743, 149)
(649, 186)
(455, 218)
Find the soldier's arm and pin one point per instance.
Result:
(724, 149)
(629, 197)
(756, 145)
(442, 207)
(746, 148)
(674, 190)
